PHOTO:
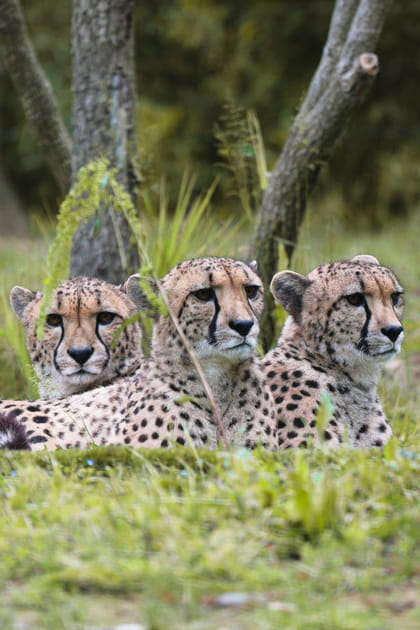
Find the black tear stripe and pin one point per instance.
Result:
(56, 348)
(362, 345)
(252, 310)
(98, 336)
(213, 323)
(181, 310)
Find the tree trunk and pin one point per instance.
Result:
(104, 126)
(342, 80)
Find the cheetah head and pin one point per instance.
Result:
(84, 344)
(218, 303)
(348, 311)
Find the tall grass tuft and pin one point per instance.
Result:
(188, 230)
(22, 262)
(241, 149)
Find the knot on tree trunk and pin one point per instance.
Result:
(364, 68)
(369, 63)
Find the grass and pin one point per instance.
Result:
(311, 540)
(305, 540)
(22, 262)
(175, 234)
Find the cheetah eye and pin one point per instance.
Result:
(396, 299)
(251, 291)
(105, 318)
(204, 295)
(355, 299)
(54, 320)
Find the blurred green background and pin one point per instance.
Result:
(191, 55)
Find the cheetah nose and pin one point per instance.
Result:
(81, 355)
(392, 332)
(242, 326)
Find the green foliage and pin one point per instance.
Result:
(295, 533)
(165, 239)
(191, 53)
(96, 187)
(324, 415)
(13, 333)
(241, 148)
(189, 229)
(21, 262)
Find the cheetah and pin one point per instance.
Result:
(217, 304)
(344, 323)
(83, 345)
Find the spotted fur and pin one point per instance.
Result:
(344, 324)
(217, 303)
(83, 345)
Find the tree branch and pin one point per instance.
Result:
(35, 91)
(341, 20)
(366, 27)
(342, 80)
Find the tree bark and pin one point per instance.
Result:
(104, 126)
(35, 91)
(342, 80)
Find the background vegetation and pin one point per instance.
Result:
(190, 55)
(203, 541)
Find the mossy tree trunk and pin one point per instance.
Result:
(345, 73)
(104, 99)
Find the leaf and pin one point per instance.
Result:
(324, 414)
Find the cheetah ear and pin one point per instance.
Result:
(288, 288)
(253, 264)
(134, 291)
(366, 258)
(20, 298)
